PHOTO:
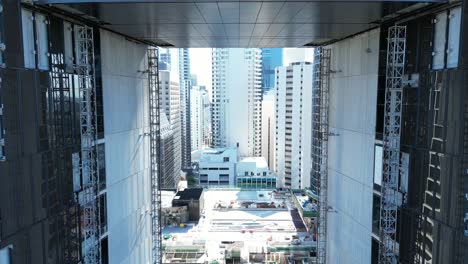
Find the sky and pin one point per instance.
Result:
(200, 65)
(200, 62)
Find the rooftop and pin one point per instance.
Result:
(189, 194)
(250, 221)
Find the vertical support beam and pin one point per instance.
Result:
(320, 102)
(88, 196)
(396, 47)
(154, 122)
(2, 65)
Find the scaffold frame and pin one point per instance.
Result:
(320, 107)
(396, 48)
(155, 139)
(87, 89)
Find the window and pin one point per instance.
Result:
(226, 159)
(378, 165)
(35, 40)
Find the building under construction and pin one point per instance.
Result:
(80, 126)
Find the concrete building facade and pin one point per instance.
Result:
(352, 116)
(218, 166)
(254, 173)
(236, 99)
(293, 125)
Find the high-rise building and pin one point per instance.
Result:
(271, 58)
(198, 101)
(268, 127)
(185, 84)
(170, 106)
(167, 153)
(236, 99)
(165, 60)
(293, 122)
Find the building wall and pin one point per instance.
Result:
(170, 105)
(294, 124)
(268, 127)
(236, 112)
(127, 165)
(218, 166)
(352, 115)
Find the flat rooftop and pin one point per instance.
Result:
(260, 162)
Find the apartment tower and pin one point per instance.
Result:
(293, 124)
(170, 106)
(236, 98)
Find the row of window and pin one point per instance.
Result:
(214, 168)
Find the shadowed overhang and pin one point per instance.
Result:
(239, 23)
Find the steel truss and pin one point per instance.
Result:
(153, 85)
(396, 46)
(89, 194)
(320, 100)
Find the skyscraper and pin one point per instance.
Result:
(271, 58)
(293, 122)
(167, 154)
(236, 97)
(268, 127)
(198, 100)
(165, 61)
(170, 106)
(185, 84)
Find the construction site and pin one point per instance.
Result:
(80, 134)
(242, 226)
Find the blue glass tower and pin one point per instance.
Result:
(271, 58)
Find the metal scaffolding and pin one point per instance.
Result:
(396, 46)
(320, 100)
(153, 85)
(88, 196)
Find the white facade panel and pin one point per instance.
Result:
(28, 39)
(440, 31)
(42, 41)
(126, 146)
(454, 37)
(353, 100)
